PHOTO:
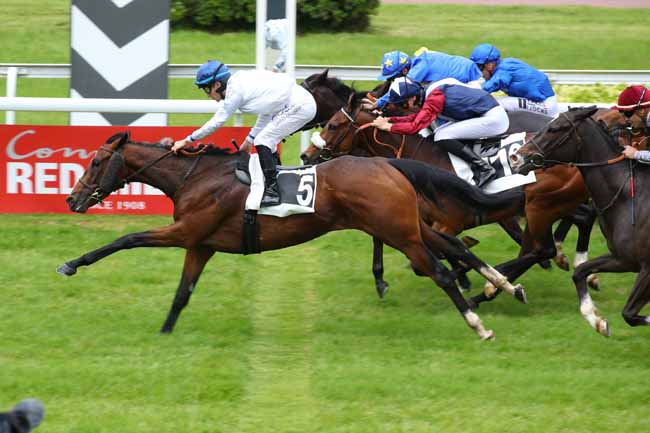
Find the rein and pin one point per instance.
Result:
(98, 191)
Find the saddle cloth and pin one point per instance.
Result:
(297, 189)
(499, 158)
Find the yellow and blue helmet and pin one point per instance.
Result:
(392, 64)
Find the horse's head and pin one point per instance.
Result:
(102, 176)
(627, 132)
(329, 93)
(338, 136)
(552, 145)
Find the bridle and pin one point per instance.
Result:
(99, 194)
(326, 152)
(538, 158)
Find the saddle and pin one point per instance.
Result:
(488, 146)
(243, 175)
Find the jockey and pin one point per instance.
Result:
(634, 101)
(282, 105)
(276, 37)
(528, 89)
(427, 67)
(475, 112)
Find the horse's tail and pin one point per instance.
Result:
(433, 181)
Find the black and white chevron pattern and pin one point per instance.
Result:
(119, 49)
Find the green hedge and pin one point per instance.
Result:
(313, 15)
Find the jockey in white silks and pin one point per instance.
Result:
(282, 106)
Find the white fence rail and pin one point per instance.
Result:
(358, 73)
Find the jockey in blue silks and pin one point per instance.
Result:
(528, 89)
(427, 67)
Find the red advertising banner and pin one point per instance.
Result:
(41, 165)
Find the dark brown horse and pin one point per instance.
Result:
(618, 188)
(557, 193)
(353, 193)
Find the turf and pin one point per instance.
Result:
(296, 340)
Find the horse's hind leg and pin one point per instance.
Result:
(424, 260)
(195, 260)
(604, 263)
(585, 224)
(561, 259)
(453, 248)
(378, 267)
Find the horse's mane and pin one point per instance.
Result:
(211, 148)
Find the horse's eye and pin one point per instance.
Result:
(331, 127)
(95, 163)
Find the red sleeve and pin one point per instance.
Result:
(432, 107)
(401, 119)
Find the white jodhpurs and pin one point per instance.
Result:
(300, 109)
(548, 106)
(492, 122)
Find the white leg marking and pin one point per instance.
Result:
(497, 279)
(580, 258)
(475, 323)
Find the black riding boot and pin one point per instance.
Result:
(483, 172)
(271, 190)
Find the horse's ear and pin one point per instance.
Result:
(587, 112)
(322, 78)
(119, 139)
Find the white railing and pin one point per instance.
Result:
(348, 73)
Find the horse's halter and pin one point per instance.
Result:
(538, 159)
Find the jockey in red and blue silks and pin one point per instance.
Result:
(475, 114)
(528, 89)
(634, 104)
(427, 67)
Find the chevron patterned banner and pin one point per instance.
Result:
(119, 49)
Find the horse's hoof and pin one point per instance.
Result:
(545, 264)
(603, 328)
(66, 270)
(382, 289)
(520, 294)
(487, 335)
(593, 281)
(562, 262)
(489, 290)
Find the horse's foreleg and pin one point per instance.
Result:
(425, 260)
(585, 225)
(604, 263)
(170, 236)
(561, 259)
(639, 297)
(378, 267)
(195, 260)
(451, 247)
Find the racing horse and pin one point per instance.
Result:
(353, 193)
(558, 192)
(617, 188)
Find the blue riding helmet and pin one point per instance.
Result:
(402, 89)
(485, 53)
(392, 64)
(211, 71)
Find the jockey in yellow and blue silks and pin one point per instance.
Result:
(427, 67)
(528, 89)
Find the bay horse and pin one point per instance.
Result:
(354, 193)
(557, 193)
(618, 188)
